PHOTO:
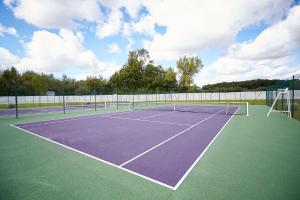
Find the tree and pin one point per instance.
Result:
(95, 83)
(69, 85)
(8, 77)
(170, 82)
(188, 67)
(130, 77)
(25, 86)
(153, 77)
(40, 84)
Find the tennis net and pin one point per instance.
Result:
(228, 108)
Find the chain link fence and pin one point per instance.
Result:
(293, 85)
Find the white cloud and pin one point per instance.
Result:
(110, 69)
(55, 13)
(7, 59)
(267, 56)
(7, 30)
(114, 48)
(146, 26)
(132, 6)
(49, 52)
(115, 24)
(192, 26)
(112, 26)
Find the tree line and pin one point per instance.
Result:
(138, 75)
(239, 86)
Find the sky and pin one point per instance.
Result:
(236, 40)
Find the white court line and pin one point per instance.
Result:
(98, 159)
(156, 115)
(174, 136)
(200, 156)
(42, 122)
(124, 169)
(50, 121)
(145, 120)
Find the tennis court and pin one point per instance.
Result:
(157, 144)
(154, 151)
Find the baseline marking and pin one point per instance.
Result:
(120, 167)
(98, 159)
(174, 136)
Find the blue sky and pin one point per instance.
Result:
(239, 40)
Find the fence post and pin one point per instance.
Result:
(16, 98)
(267, 99)
(63, 91)
(95, 97)
(201, 96)
(146, 96)
(293, 95)
(276, 107)
(117, 101)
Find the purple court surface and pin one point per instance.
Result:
(161, 146)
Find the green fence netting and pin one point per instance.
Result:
(293, 84)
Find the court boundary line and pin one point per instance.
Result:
(120, 166)
(74, 117)
(167, 140)
(95, 158)
(203, 152)
(145, 120)
(44, 122)
(50, 112)
(156, 115)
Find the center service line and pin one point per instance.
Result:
(169, 139)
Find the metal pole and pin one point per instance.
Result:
(282, 101)
(63, 90)
(16, 98)
(117, 101)
(267, 97)
(95, 96)
(276, 107)
(293, 95)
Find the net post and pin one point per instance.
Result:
(247, 109)
(174, 106)
(227, 107)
